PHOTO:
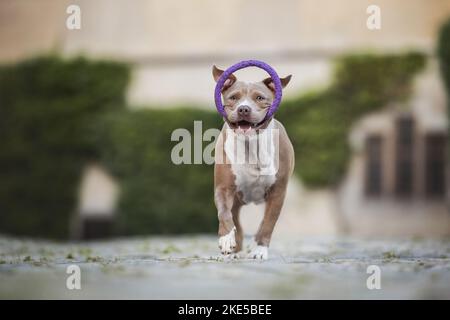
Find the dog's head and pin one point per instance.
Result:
(246, 104)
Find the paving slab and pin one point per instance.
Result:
(189, 267)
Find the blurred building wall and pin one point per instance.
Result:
(400, 187)
(98, 196)
(173, 44)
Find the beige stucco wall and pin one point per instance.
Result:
(168, 27)
(30, 27)
(175, 42)
(389, 215)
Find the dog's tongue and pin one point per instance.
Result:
(244, 126)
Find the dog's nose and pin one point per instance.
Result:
(244, 110)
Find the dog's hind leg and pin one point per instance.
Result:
(235, 211)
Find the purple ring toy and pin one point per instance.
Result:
(245, 64)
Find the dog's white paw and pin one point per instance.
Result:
(259, 253)
(227, 243)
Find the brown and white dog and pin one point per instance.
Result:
(262, 174)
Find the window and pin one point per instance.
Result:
(96, 228)
(435, 150)
(374, 171)
(404, 163)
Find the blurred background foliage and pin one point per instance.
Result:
(319, 123)
(443, 52)
(47, 107)
(58, 115)
(157, 196)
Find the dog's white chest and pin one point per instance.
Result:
(251, 183)
(254, 173)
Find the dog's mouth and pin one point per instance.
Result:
(244, 126)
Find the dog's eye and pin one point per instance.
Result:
(260, 98)
(233, 97)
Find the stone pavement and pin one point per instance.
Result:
(188, 267)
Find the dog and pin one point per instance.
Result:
(265, 178)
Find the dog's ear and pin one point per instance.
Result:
(284, 82)
(228, 83)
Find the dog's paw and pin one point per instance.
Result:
(227, 243)
(259, 253)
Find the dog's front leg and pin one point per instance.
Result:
(224, 199)
(274, 203)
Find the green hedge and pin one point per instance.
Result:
(319, 123)
(444, 57)
(160, 197)
(157, 195)
(56, 115)
(48, 107)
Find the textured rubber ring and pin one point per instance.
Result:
(245, 64)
